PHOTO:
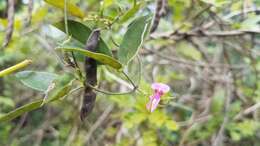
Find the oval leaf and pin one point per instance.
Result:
(133, 39)
(102, 58)
(34, 105)
(81, 33)
(71, 8)
(36, 80)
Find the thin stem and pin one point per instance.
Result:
(77, 66)
(110, 93)
(69, 37)
(129, 79)
(114, 42)
(140, 68)
(72, 91)
(66, 17)
(135, 87)
(74, 59)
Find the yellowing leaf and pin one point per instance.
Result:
(71, 8)
(108, 3)
(39, 15)
(17, 23)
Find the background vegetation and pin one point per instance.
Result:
(207, 51)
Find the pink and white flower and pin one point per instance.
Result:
(159, 90)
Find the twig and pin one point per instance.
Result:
(231, 15)
(247, 111)
(245, 11)
(193, 63)
(231, 93)
(18, 127)
(203, 33)
(10, 26)
(111, 93)
(30, 9)
(193, 121)
(72, 134)
(160, 10)
(200, 48)
(98, 122)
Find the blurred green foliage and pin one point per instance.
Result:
(207, 51)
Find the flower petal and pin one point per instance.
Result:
(151, 97)
(154, 104)
(161, 87)
(148, 105)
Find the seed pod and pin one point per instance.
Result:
(91, 76)
(88, 102)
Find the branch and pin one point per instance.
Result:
(98, 122)
(159, 12)
(10, 25)
(202, 33)
(194, 63)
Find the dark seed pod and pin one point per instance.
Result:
(88, 102)
(91, 76)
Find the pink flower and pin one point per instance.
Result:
(159, 90)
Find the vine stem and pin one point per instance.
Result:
(111, 93)
(135, 88)
(133, 84)
(69, 38)
(129, 79)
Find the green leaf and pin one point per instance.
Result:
(171, 125)
(102, 58)
(36, 80)
(188, 51)
(6, 101)
(133, 39)
(81, 33)
(133, 119)
(251, 23)
(36, 104)
(157, 118)
(218, 99)
(149, 138)
(130, 13)
(71, 8)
